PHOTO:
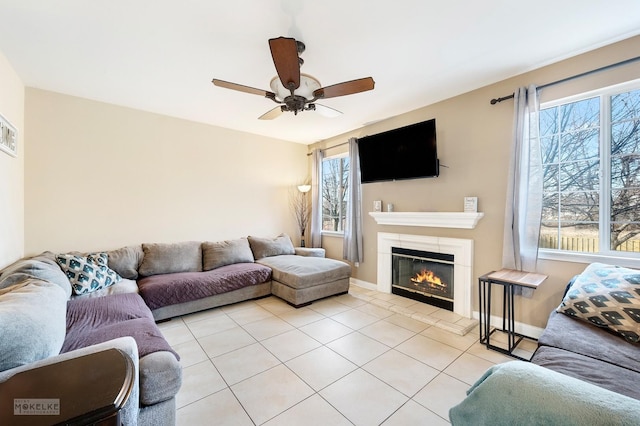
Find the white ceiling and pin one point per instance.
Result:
(160, 55)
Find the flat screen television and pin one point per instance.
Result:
(405, 153)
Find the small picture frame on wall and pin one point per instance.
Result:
(8, 137)
(470, 204)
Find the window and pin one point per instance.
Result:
(335, 181)
(591, 164)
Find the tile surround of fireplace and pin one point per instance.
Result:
(461, 249)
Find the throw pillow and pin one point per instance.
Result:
(87, 273)
(33, 318)
(607, 296)
(266, 247)
(171, 258)
(215, 255)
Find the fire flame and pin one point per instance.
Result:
(426, 276)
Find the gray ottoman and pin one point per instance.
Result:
(302, 279)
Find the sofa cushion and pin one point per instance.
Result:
(616, 378)
(564, 332)
(170, 289)
(126, 261)
(310, 251)
(171, 258)
(32, 318)
(303, 272)
(87, 273)
(215, 255)
(97, 320)
(267, 247)
(607, 296)
(42, 266)
(122, 286)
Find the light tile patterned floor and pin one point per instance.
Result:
(340, 361)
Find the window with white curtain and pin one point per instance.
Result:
(591, 160)
(334, 190)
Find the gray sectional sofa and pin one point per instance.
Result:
(586, 369)
(594, 335)
(54, 307)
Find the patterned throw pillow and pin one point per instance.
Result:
(607, 296)
(87, 273)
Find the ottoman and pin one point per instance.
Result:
(300, 280)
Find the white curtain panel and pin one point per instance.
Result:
(316, 198)
(352, 245)
(524, 190)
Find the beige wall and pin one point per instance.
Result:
(99, 176)
(473, 144)
(11, 168)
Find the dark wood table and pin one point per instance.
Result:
(88, 390)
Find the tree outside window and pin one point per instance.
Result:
(335, 175)
(591, 163)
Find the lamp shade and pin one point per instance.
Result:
(308, 85)
(304, 188)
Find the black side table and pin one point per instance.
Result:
(88, 390)
(509, 279)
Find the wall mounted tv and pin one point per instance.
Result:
(405, 153)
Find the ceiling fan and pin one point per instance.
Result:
(294, 91)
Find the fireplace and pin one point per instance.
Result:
(423, 276)
(460, 252)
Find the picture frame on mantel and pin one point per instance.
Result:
(8, 137)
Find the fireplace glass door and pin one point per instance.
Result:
(423, 276)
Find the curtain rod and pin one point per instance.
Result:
(334, 146)
(584, 74)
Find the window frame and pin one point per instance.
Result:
(628, 259)
(331, 157)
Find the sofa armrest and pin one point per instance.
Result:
(310, 251)
(129, 413)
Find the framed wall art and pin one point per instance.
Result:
(8, 137)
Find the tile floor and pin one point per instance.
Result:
(339, 361)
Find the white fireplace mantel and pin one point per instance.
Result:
(432, 219)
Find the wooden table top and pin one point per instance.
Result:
(521, 278)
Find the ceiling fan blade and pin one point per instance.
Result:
(345, 88)
(271, 114)
(241, 88)
(326, 111)
(284, 52)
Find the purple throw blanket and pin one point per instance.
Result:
(170, 289)
(97, 320)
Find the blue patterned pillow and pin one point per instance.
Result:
(607, 296)
(87, 273)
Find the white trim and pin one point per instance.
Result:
(461, 249)
(520, 328)
(363, 284)
(576, 257)
(431, 219)
(332, 234)
(608, 90)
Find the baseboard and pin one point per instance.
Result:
(363, 284)
(521, 328)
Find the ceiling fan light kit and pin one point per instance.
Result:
(294, 91)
